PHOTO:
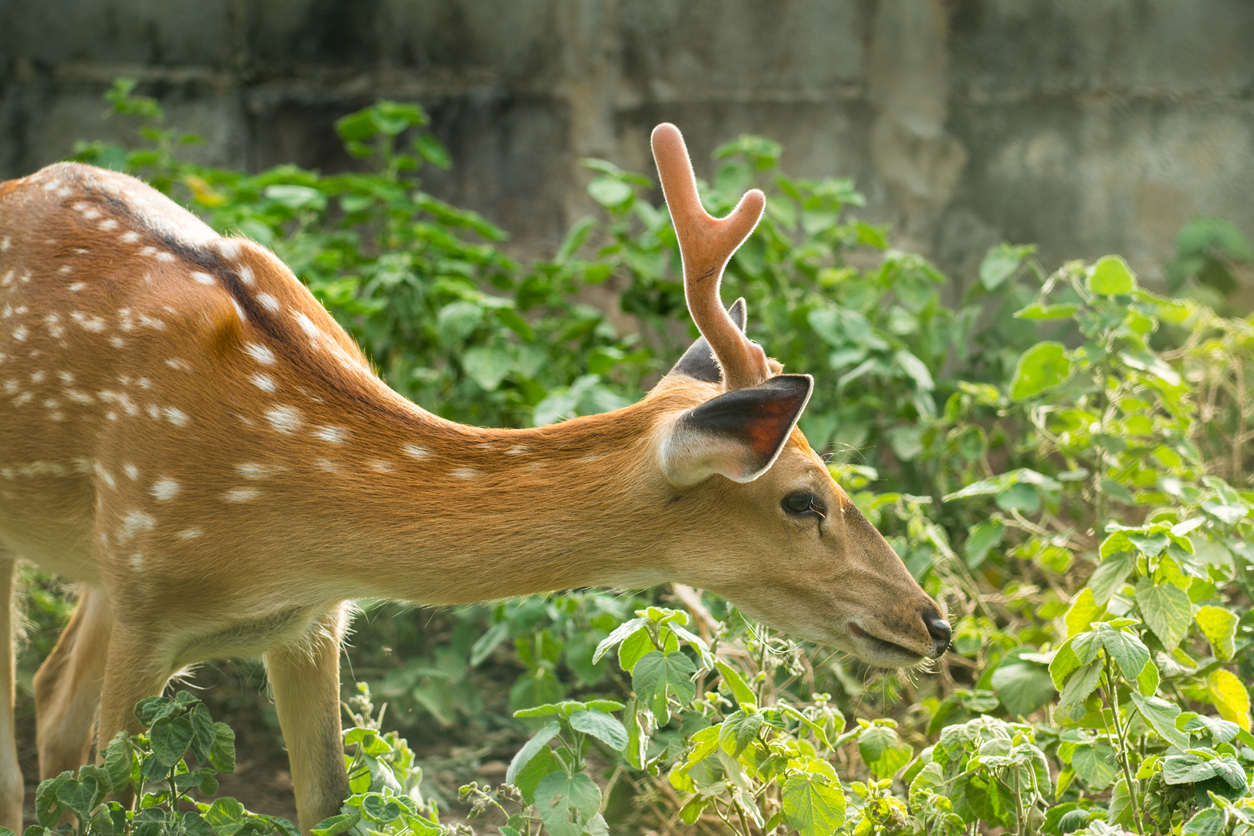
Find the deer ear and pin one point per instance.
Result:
(699, 361)
(737, 435)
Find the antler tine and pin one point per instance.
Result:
(706, 244)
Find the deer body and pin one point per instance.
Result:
(190, 437)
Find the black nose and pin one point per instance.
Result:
(938, 628)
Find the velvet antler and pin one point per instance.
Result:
(706, 244)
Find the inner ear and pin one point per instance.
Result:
(738, 434)
(699, 361)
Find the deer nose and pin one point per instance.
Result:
(940, 631)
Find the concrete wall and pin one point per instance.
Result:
(1087, 126)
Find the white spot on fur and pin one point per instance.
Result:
(179, 363)
(175, 416)
(131, 471)
(189, 534)
(382, 467)
(327, 465)
(203, 278)
(105, 476)
(246, 275)
(334, 435)
(165, 489)
(241, 494)
(19, 333)
(77, 286)
(415, 451)
(268, 302)
(259, 353)
(264, 382)
(129, 237)
(109, 224)
(251, 470)
(464, 473)
(285, 419)
(518, 450)
(135, 522)
(306, 324)
(228, 248)
(88, 322)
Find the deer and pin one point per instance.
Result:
(189, 437)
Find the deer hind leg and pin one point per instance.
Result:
(12, 788)
(67, 686)
(305, 679)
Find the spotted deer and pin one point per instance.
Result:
(188, 436)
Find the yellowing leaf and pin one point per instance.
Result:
(1220, 627)
(1229, 696)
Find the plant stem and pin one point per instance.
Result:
(1121, 751)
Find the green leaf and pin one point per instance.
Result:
(1095, 764)
(1161, 715)
(983, 538)
(1023, 687)
(1209, 822)
(658, 675)
(433, 151)
(487, 365)
(1083, 612)
(609, 191)
(1126, 649)
(1039, 312)
(567, 802)
(222, 754)
(204, 733)
(537, 742)
(80, 797)
(740, 689)
(1219, 626)
(616, 636)
(1166, 609)
(1078, 688)
(812, 806)
(1110, 276)
(738, 731)
(1109, 577)
(1000, 263)
(575, 239)
(883, 751)
(602, 726)
(1041, 368)
(170, 737)
(297, 197)
(1220, 731)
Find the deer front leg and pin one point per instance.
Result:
(12, 788)
(305, 679)
(133, 671)
(67, 686)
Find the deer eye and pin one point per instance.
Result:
(803, 503)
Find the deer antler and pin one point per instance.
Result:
(706, 244)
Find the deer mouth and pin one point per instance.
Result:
(881, 652)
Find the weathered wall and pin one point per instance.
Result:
(1087, 126)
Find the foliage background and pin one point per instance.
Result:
(1061, 458)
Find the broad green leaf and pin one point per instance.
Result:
(1001, 262)
(1219, 626)
(81, 796)
(984, 537)
(1166, 609)
(222, 753)
(1109, 577)
(619, 633)
(736, 683)
(1230, 697)
(1126, 649)
(1209, 822)
(1023, 687)
(1041, 368)
(1110, 276)
(812, 806)
(883, 751)
(170, 737)
(633, 647)
(567, 802)
(537, 742)
(1190, 769)
(1064, 662)
(1078, 687)
(602, 726)
(1095, 764)
(487, 365)
(1083, 612)
(657, 674)
(1048, 312)
(1161, 715)
(204, 732)
(1220, 731)
(609, 191)
(738, 731)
